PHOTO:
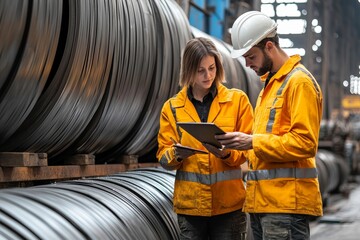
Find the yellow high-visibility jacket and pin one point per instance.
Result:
(204, 184)
(282, 175)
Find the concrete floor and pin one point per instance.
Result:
(341, 219)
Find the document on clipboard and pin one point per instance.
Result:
(194, 150)
(204, 132)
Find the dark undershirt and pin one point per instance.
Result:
(271, 74)
(203, 108)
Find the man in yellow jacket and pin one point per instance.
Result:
(209, 192)
(282, 188)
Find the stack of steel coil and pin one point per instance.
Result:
(131, 205)
(333, 171)
(90, 77)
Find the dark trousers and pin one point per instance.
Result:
(280, 226)
(225, 226)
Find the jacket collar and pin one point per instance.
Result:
(285, 69)
(213, 92)
(181, 100)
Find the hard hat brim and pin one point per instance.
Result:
(236, 53)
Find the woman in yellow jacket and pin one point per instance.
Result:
(208, 192)
(282, 188)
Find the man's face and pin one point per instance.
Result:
(258, 60)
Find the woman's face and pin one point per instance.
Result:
(206, 73)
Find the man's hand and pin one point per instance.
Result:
(235, 140)
(220, 153)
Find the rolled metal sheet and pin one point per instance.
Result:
(159, 204)
(10, 226)
(167, 183)
(337, 170)
(42, 221)
(172, 37)
(352, 156)
(73, 95)
(323, 176)
(131, 75)
(104, 209)
(129, 205)
(91, 76)
(331, 168)
(7, 233)
(13, 15)
(34, 60)
(172, 32)
(138, 221)
(91, 219)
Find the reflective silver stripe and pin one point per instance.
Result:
(173, 110)
(271, 120)
(312, 79)
(208, 179)
(282, 173)
(164, 162)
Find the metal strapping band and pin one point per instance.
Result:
(208, 179)
(282, 173)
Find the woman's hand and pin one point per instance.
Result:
(182, 153)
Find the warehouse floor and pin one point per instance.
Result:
(341, 219)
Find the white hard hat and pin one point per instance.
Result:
(249, 29)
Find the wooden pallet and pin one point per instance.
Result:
(20, 167)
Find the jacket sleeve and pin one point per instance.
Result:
(166, 152)
(244, 123)
(300, 141)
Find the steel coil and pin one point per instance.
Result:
(91, 76)
(130, 205)
(334, 168)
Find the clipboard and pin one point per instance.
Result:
(204, 132)
(194, 150)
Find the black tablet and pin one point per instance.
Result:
(204, 132)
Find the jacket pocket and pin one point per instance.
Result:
(227, 124)
(186, 195)
(309, 197)
(276, 194)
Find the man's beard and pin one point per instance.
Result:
(266, 65)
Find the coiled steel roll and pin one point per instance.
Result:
(27, 51)
(90, 77)
(333, 172)
(131, 205)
